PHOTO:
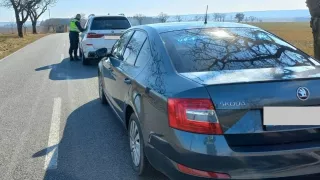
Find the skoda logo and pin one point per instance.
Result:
(303, 93)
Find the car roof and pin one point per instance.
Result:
(166, 27)
(100, 16)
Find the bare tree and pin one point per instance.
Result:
(139, 18)
(240, 17)
(178, 18)
(216, 16)
(37, 11)
(219, 17)
(22, 11)
(197, 18)
(252, 18)
(163, 17)
(223, 17)
(231, 18)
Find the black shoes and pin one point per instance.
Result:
(75, 58)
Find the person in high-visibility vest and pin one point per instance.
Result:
(75, 29)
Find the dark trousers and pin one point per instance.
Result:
(74, 43)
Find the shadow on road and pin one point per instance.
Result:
(69, 70)
(94, 146)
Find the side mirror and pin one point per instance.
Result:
(101, 53)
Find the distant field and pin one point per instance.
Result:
(298, 34)
(10, 43)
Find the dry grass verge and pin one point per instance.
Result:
(10, 43)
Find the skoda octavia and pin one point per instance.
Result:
(220, 101)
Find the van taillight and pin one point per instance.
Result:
(193, 115)
(94, 35)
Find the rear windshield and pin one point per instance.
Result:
(105, 23)
(218, 49)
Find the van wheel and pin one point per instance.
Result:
(84, 60)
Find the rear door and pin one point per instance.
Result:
(126, 71)
(105, 31)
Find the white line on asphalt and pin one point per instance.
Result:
(54, 137)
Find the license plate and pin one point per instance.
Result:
(291, 116)
(112, 37)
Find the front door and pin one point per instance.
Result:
(109, 68)
(125, 71)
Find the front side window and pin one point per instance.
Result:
(144, 55)
(218, 49)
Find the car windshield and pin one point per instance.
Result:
(216, 49)
(105, 23)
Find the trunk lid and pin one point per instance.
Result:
(107, 39)
(240, 96)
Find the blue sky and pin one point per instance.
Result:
(68, 8)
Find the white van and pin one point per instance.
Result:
(101, 32)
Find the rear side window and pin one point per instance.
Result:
(218, 49)
(144, 55)
(106, 23)
(133, 47)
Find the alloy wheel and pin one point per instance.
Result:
(135, 143)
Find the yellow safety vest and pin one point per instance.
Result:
(73, 26)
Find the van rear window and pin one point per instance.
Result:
(106, 23)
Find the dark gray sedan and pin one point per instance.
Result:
(221, 101)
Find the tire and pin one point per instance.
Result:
(84, 60)
(143, 167)
(102, 97)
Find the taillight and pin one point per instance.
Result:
(94, 35)
(193, 115)
(199, 173)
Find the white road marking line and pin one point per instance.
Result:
(51, 160)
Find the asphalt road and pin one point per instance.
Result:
(52, 125)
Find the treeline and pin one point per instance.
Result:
(27, 9)
(218, 17)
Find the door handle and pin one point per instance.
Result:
(127, 81)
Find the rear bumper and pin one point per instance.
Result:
(212, 153)
(89, 51)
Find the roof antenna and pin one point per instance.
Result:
(206, 17)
